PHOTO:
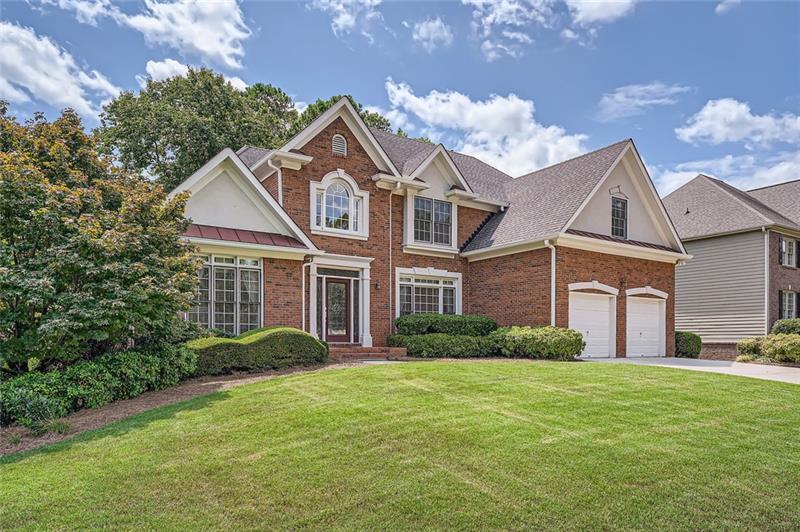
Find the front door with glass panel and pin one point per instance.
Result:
(337, 310)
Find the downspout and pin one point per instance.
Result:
(391, 244)
(280, 181)
(303, 294)
(766, 280)
(548, 244)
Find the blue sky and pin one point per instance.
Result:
(709, 87)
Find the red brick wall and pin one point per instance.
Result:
(780, 277)
(512, 290)
(282, 286)
(574, 266)
(358, 164)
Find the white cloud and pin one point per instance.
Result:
(725, 6)
(632, 100)
(568, 35)
(729, 120)
(742, 171)
(211, 30)
(36, 68)
(500, 130)
(518, 36)
(348, 16)
(586, 12)
(494, 50)
(169, 68)
(432, 33)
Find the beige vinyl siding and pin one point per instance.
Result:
(719, 293)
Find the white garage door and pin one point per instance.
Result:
(646, 327)
(593, 315)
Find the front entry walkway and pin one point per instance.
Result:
(756, 371)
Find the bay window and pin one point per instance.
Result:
(229, 294)
(427, 295)
(433, 221)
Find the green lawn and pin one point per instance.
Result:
(433, 445)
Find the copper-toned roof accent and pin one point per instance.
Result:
(608, 238)
(227, 234)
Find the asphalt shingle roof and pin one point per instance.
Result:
(784, 198)
(250, 155)
(543, 201)
(707, 206)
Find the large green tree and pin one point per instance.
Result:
(172, 127)
(90, 255)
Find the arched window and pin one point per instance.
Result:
(339, 206)
(339, 145)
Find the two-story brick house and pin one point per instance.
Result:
(745, 271)
(345, 228)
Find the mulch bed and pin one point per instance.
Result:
(15, 439)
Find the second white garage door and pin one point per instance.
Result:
(646, 327)
(594, 316)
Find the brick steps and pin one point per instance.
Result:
(356, 353)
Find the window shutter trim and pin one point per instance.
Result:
(780, 250)
(780, 304)
(797, 305)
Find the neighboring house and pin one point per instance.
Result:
(744, 272)
(344, 228)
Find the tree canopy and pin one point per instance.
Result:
(172, 127)
(90, 255)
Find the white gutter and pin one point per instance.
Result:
(303, 295)
(548, 244)
(280, 180)
(766, 279)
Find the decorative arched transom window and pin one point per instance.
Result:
(339, 207)
(339, 145)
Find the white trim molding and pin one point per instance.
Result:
(429, 272)
(646, 290)
(359, 200)
(593, 285)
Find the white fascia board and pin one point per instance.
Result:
(391, 181)
(341, 107)
(440, 150)
(619, 248)
(295, 160)
(195, 182)
(507, 249)
(654, 192)
(261, 250)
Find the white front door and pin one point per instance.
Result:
(594, 316)
(646, 327)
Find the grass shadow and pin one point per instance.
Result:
(122, 426)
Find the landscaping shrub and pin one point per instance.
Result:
(465, 325)
(782, 348)
(439, 345)
(750, 347)
(260, 350)
(34, 398)
(791, 326)
(551, 343)
(687, 345)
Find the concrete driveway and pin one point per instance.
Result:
(757, 371)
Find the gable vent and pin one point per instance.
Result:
(339, 145)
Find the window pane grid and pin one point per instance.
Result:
(788, 305)
(426, 300)
(421, 295)
(442, 222)
(423, 214)
(619, 217)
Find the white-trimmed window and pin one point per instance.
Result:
(433, 221)
(428, 294)
(788, 302)
(339, 145)
(619, 217)
(788, 250)
(229, 296)
(339, 207)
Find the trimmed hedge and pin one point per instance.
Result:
(687, 344)
(791, 326)
(549, 343)
(771, 348)
(782, 348)
(440, 345)
(34, 398)
(257, 350)
(455, 324)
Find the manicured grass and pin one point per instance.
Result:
(434, 445)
